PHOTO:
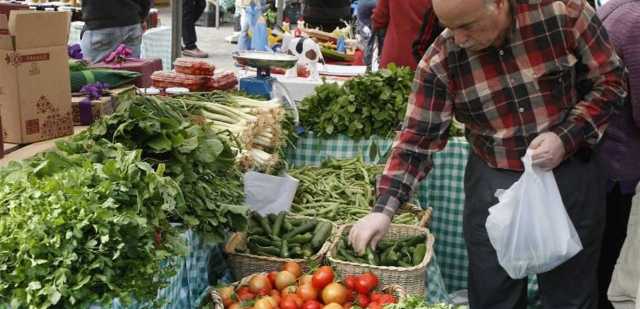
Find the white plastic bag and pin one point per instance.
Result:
(529, 227)
(268, 194)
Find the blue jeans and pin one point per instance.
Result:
(98, 44)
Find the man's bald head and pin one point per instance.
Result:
(476, 24)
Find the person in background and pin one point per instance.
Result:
(111, 23)
(525, 76)
(365, 28)
(191, 12)
(402, 21)
(621, 146)
(326, 14)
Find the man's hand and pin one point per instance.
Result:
(370, 229)
(547, 151)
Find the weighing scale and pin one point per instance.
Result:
(262, 84)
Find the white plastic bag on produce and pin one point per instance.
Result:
(529, 227)
(268, 194)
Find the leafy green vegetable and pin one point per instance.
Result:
(196, 157)
(374, 104)
(416, 302)
(75, 231)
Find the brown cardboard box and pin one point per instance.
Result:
(85, 113)
(35, 94)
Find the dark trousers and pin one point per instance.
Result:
(191, 12)
(570, 285)
(615, 233)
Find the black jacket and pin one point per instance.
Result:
(100, 14)
(327, 11)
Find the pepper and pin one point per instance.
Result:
(418, 255)
(372, 258)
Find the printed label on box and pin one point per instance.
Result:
(16, 59)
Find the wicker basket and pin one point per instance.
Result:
(411, 279)
(245, 264)
(214, 301)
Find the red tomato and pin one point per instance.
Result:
(285, 279)
(350, 282)
(288, 303)
(293, 268)
(264, 303)
(244, 293)
(306, 279)
(311, 304)
(374, 305)
(362, 300)
(307, 292)
(228, 296)
(348, 305)
(334, 293)
(366, 283)
(260, 284)
(375, 296)
(350, 296)
(386, 299)
(275, 294)
(272, 277)
(322, 277)
(295, 298)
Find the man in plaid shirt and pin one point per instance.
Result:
(538, 75)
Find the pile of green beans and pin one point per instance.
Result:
(341, 191)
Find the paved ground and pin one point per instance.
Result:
(210, 40)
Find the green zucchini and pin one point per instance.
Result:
(321, 234)
(307, 227)
(277, 225)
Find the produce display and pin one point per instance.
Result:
(286, 237)
(290, 288)
(373, 104)
(342, 191)
(259, 130)
(406, 252)
(80, 229)
(196, 156)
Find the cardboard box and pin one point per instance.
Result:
(7, 7)
(85, 113)
(35, 94)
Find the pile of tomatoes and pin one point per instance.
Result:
(290, 288)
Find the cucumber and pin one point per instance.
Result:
(260, 250)
(284, 249)
(301, 239)
(264, 223)
(321, 234)
(277, 224)
(307, 227)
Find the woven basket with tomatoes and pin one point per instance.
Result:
(290, 288)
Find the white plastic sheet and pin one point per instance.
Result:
(529, 227)
(267, 194)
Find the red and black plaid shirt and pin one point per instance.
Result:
(556, 72)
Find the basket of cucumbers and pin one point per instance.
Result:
(400, 258)
(277, 238)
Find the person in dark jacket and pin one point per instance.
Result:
(111, 23)
(191, 12)
(326, 14)
(621, 144)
